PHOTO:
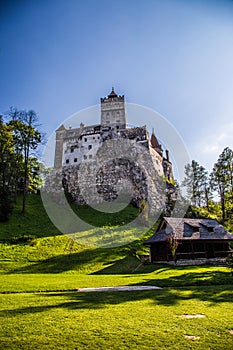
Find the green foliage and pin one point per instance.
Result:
(35, 168)
(28, 239)
(222, 182)
(18, 170)
(144, 209)
(229, 262)
(173, 245)
(201, 188)
(26, 139)
(204, 213)
(197, 185)
(9, 167)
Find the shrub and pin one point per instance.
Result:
(27, 239)
(229, 262)
(6, 206)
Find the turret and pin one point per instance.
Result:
(155, 144)
(60, 135)
(113, 111)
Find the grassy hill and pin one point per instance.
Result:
(42, 269)
(31, 243)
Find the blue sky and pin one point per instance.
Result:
(174, 56)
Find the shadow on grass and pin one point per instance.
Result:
(97, 300)
(88, 259)
(36, 221)
(201, 278)
(92, 261)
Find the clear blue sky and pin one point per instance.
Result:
(174, 56)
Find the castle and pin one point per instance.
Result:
(75, 145)
(78, 146)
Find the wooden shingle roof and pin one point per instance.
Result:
(190, 229)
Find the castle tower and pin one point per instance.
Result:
(113, 111)
(155, 144)
(60, 135)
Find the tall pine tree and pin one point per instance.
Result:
(222, 182)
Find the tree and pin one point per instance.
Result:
(173, 245)
(222, 181)
(205, 188)
(36, 173)
(26, 139)
(10, 165)
(197, 185)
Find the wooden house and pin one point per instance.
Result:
(197, 239)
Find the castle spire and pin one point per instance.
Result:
(155, 144)
(112, 94)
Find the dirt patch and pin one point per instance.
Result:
(117, 289)
(192, 316)
(192, 337)
(231, 331)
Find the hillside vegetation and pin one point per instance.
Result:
(31, 243)
(41, 271)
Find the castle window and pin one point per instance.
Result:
(75, 160)
(90, 147)
(85, 139)
(90, 156)
(117, 127)
(93, 138)
(67, 161)
(85, 157)
(72, 150)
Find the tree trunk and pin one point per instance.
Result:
(25, 180)
(223, 207)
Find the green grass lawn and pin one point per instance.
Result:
(118, 320)
(42, 309)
